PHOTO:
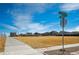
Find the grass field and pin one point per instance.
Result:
(2, 44)
(47, 41)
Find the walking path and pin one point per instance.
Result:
(42, 50)
(67, 51)
(75, 53)
(15, 47)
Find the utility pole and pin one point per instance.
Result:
(63, 22)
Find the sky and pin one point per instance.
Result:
(37, 17)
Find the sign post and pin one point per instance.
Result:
(63, 22)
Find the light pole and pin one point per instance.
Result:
(63, 22)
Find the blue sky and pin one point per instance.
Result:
(37, 17)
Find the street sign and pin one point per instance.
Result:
(63, 22)
(63, 14)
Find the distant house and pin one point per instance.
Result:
(12, 34)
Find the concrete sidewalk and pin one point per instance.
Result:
(42, 50)
(15, 47)
(75, 53)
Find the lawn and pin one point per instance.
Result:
(2, 44)
(47, 41)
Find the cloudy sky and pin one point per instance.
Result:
(37, 17)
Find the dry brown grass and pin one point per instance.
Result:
(2, 44)
(47, 41)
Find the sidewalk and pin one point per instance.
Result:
(42, 50)
(75, 53)
(68, 51)
(15, 47)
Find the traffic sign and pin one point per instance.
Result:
(63, 22)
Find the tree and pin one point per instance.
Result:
(36, 34)
(54, 33)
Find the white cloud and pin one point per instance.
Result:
(39, 7)
(73, 29)
(77, 28)
(70, 6)
(23, 19)
(37, 27)
(25, 23)
(10, 27)
(31, 8)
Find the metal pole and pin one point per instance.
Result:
(62, 23)
(63, 40)
(63, 37)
